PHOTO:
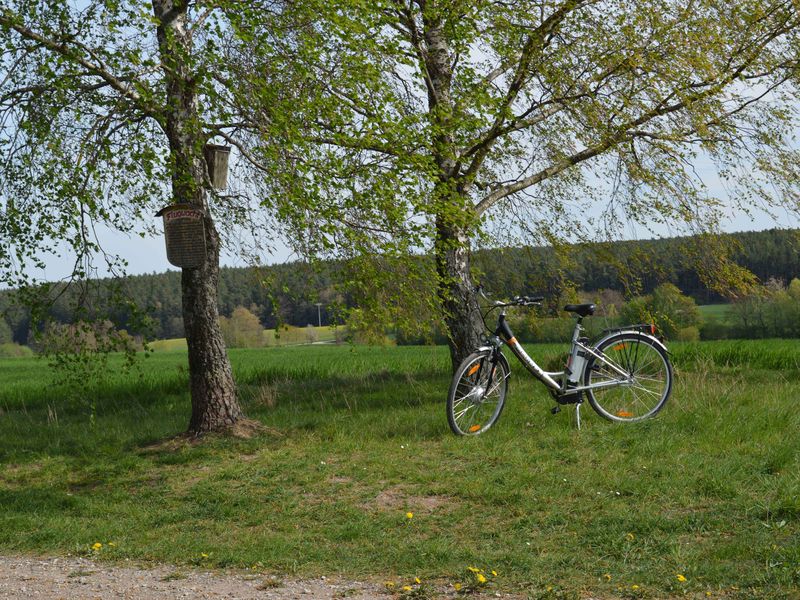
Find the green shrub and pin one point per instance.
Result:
(12, 350)
(770, 311)
(667, 307)
(713, 328)
(242, 329)
(688, 334)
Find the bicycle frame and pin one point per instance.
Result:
(570, 380)
(626, 376)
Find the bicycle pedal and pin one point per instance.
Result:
(555, 410)
(573, 398)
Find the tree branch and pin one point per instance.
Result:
(627, 130)
(62, 48)
(245, 152)
(536, 42)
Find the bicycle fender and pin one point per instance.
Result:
(500, 356)
(639, 334)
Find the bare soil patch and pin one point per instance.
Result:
(73, 578)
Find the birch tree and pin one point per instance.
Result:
(562, 119)
(105, 108)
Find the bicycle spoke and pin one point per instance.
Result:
(643, 378)
(476, 399)
(644, 389)
(460, 414)
(639, 394)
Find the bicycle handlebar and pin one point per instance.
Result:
(528, 300)
(515, 301)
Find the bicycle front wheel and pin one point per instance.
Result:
(478, 393)
(632, 382)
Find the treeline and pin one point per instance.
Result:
(150, 305)
(638, 267)
(770, 312)
(289, 293)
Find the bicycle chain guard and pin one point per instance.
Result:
(566, 398)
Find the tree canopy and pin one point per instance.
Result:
(393, 127)
(105, 110)
(556, 120)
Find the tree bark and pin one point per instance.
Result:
(457, 293)
(214, 402)
(450, 204)
(213, 391)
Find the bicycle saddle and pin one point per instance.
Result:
(583, 310)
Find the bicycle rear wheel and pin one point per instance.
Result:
(478, 393)
(643, 386)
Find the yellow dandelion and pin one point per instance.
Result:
(630, 537)
(634, 587)
(494, 573)
(112, 544)
(549, 588)
(417, 580)
(607, 576)
(457, 586)
(389, 584)
(406, 588)
(473, 569)
(708, 594)
(97, 546)
(203, 555)
(409, 515)
(680, 577)
(480, 578)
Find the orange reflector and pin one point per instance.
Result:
(653, 328)
(474, 428)
(473, 369)
(624, 413)
(620, 347)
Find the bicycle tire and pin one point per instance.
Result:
(646, 389)
(483, 407)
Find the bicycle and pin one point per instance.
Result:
(626, 375)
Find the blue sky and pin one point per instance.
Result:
(149, 255)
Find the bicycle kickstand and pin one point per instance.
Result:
(578, 414)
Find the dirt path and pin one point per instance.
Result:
(73, 578)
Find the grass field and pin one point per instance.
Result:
(718, 311)
(709, 491)
(287, 336)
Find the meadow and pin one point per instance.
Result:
(357, 475)
(287, 335)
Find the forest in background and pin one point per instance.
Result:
(287, 294)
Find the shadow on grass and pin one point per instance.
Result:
(149, 417)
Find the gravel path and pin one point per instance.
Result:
(68, 578)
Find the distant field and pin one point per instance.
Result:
(286, 336)
(710, 490)
(718, 311)
(169, 345)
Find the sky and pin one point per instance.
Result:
(149, 255)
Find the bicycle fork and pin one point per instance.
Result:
(479, 393)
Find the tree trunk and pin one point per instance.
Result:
(451, 205)
(457, 293)
(214, 402)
